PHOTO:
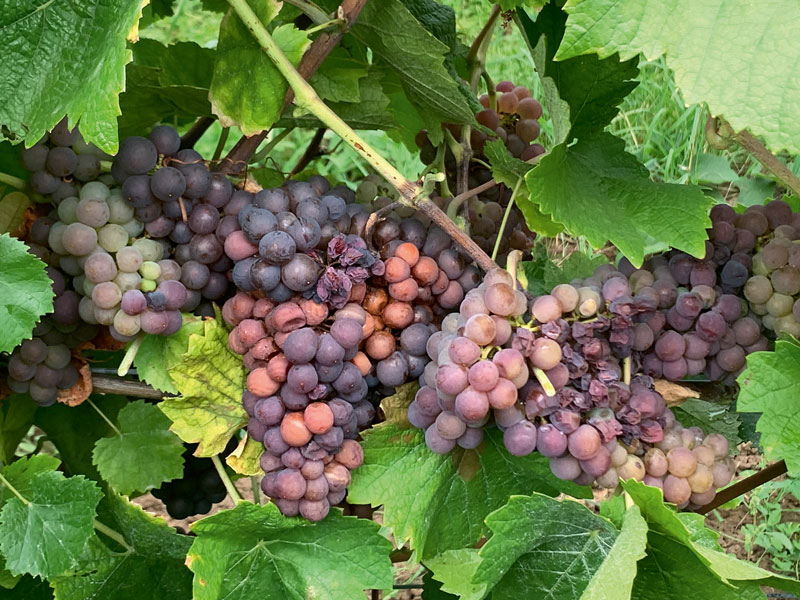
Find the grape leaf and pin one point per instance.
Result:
(541, 547)
(210, 380)
(157, 353)
(20, 473)
(45, 534)
(119, 458)
(247, 90)
(12, 211)
(16, 418)
(618, 570)
(417, 57)
(770, 385)
(670, 570)
(25, 289)
(598, 190)
(395, 407)
(713, 168)
(509, 170)
(431, 589)
(245, 459)
(153, 568)
(583, 93)
(52, 53)
(543, 275)
(370, 112)
(75, 429)
(751, 84)
(436, 502)
(253, 551)
(455, 569)
(710, 416)
(165, 83)
(337, 79)
(663, 520)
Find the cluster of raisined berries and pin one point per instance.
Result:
(197, 490)
(42, 366)
(549, 374)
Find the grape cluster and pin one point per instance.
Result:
(306, 397)
(550, 373)
(61, 161)
(42, 366)
(197, 490)
(320, 320)
(510, 114)
(713, 312)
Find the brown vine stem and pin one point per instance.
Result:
(456, 202)
(306, 98)
(237, 159)
(103, 384)
(476, 59)
(771, 162)
(189, 139)
(745, 485)
(312, 151)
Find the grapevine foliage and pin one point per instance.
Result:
(339, 352)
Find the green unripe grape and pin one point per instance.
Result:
(150, 270)
(148, 285)
(134, 227)
(95, 189)
(112, 237)
(68, 210)
(151, 251)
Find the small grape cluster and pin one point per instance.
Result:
(42, 365)
(295, 372)
(197, 490)
(510, 114)
(578, 408)
(61, 161)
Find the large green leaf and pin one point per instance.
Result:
(688, 531)
(158, 353)
(45, 532)
(739, 57)
(247, 90)
(64, 58)
(400, 40)
(582, 94)
(770, 385)
(436, 502)
(253, 551)
(337, 79)
(165, 83)
(509, 170)
(454, 570)
(210, 379)
(598, 190)
(26, 292)
(369, 112)
(546, 548)
(143, 430)
(75, 429)
(672, 572)
(153, 568)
